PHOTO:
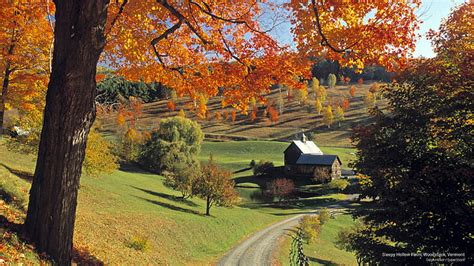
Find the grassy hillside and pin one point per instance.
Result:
(236, 155)
(117, 211)
(296, 118)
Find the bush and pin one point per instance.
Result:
(311, 227)
(323, 216)
(281, 188)
(139, 243)
(321, 175)
(99, 158)
(263, 168)
(339, 184)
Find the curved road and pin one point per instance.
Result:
(258, 249)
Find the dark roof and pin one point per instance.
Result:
(315, 159)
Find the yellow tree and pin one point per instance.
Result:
(328, 117)
(339, 115)
(193, 46)
(25, 40)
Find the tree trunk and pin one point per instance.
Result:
(3, 100)
(208, 206)
(5, 83)
(69, 113)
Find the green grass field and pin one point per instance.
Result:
(129, 204)
(323, 251)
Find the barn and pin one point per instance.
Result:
(304, 159)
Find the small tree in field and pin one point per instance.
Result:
(352, 91)
(318, 106)
(321, 94)
(360, 81)
(171, 105)
(328, 117)
(215, 186)
(339, 115)
(369, 100)
(233, 115)
(281, 188)
(332, 80)
(301, 95)
(345, 104)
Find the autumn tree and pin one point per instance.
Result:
(318, 106)
(151, 41)
(301, 95)
(273, 114)
(360, 81)
(354, 33)
(339, 115)
(328, 117)
(369, 100)
(352, 91)
(99, 157)
(321, 94)
(171, 105)
(25, 41)
(215, 186)
(345, 104)
(281, 188)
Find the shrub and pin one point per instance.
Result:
(99, 158)
(321, 175)
(339, 184)
(263, 168)
(311, 227)
(252, 163)
(323, 216)
(281, 188)
(139, 243)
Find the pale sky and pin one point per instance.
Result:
(431, 13)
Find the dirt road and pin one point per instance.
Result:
(257, 250)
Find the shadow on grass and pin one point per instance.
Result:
(133, 168)
(171, 207)
(21, 174)
(167, 196)
(322, 262)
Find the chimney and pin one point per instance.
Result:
(304, 138)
